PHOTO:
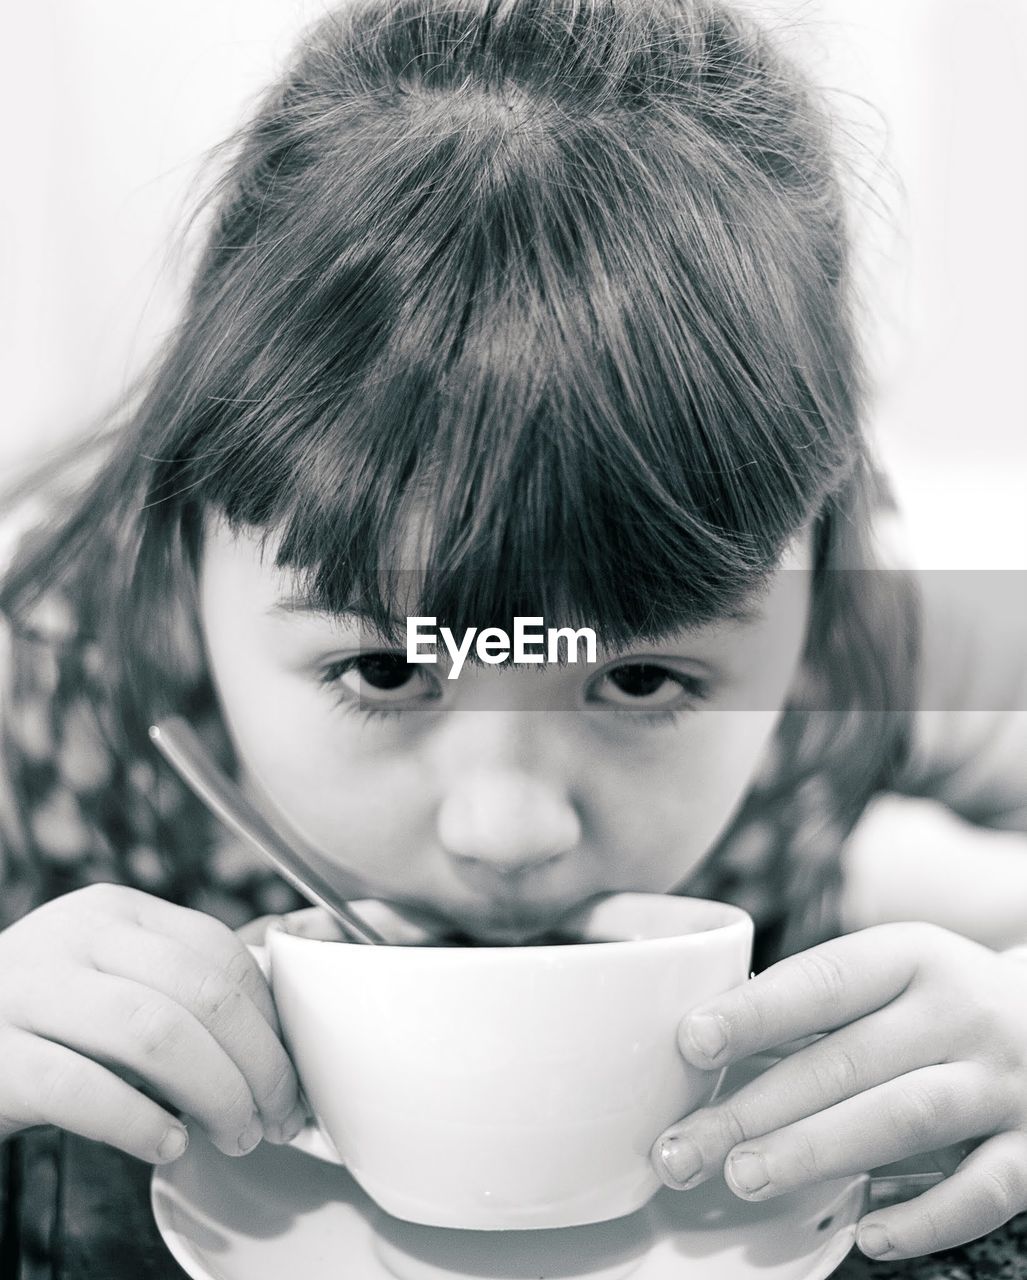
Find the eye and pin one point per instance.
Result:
(378, 679)
(646, 686)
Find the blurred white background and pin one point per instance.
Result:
(108, 107)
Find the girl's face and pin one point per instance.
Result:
(497, 801)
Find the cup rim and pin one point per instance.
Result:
(728, 917)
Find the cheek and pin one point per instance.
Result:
(370, 816)
(333, 777)
(663, 811)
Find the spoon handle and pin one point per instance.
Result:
(183, 749)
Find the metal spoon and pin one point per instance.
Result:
(185, 751)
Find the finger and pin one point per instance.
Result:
(814, 991)
(58, 1086)
(911, 1112)
(400, 924)
(207, 937)
(125, 1024)
(222, 1006)
(312, 922)
(307, 922)
(823, 1072)
(252, 933)
(988, 1188)
(917, 1112)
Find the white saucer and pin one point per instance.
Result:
(280, 1212)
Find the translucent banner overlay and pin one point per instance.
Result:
(835, 640)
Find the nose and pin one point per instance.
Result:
(506, 822)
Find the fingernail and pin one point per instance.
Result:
(251, 1135)
(290, 1126)
(681, 1162)
(708, 1033)
(748, 1172)
(172, 1144)
(873, 1240)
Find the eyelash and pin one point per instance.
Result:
(352, 708)
(330, 678)
(697, 690)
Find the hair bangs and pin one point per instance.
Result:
(512, 479)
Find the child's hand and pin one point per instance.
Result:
(108, 985)
(928, 1047)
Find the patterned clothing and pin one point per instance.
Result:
(74, 811)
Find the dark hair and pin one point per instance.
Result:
(576, 276)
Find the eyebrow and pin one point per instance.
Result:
(748, 613)
(299, 603)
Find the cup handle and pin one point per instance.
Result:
(311, 1139)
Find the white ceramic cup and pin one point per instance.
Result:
(509, 1087)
